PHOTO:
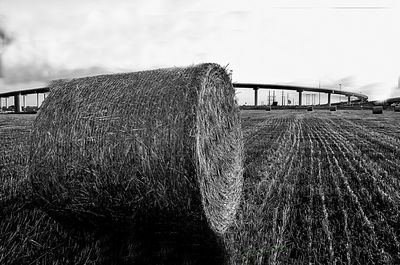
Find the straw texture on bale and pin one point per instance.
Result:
(377, 110)
(397, 108)
(333, 108)
(118, 148)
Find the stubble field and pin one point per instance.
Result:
(320, 188)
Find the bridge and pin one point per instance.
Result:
(20, 94)
(300, 90)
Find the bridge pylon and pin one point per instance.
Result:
(255, 96)
(329, 99)
(300, 96)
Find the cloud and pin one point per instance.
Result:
(261, 42)
(369, 88)
(5, 38)
(44, 72)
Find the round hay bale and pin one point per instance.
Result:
(268, 108)
(137, 146)
(397, 108)
(310, 108)
(377, 110)
(333, 108)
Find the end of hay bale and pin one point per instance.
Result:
(397, 108)
(268, 108)
(118, 148)
(310, 108)
(333, 108)
(377, 110)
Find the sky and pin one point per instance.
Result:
(350, 42)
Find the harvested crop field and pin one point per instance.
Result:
(320, 187)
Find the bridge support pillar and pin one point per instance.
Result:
(300, 96)
(6, 103)
(17, 103)
(1, 104)
(329, 99)
(255, 96)
(348, 100)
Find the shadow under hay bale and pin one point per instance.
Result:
(164, 242)
(377, 110)
(110, 151)
(333, 108)
(268, 108)
(310, 108)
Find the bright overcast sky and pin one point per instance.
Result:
(303, 42)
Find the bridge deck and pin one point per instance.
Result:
(254, 86)
(236, 85)
(300, 89)
(25, 92)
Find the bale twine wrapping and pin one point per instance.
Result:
(117, 148)
(310, 108)
(377, 110)
(397, 108)
(333, 108)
